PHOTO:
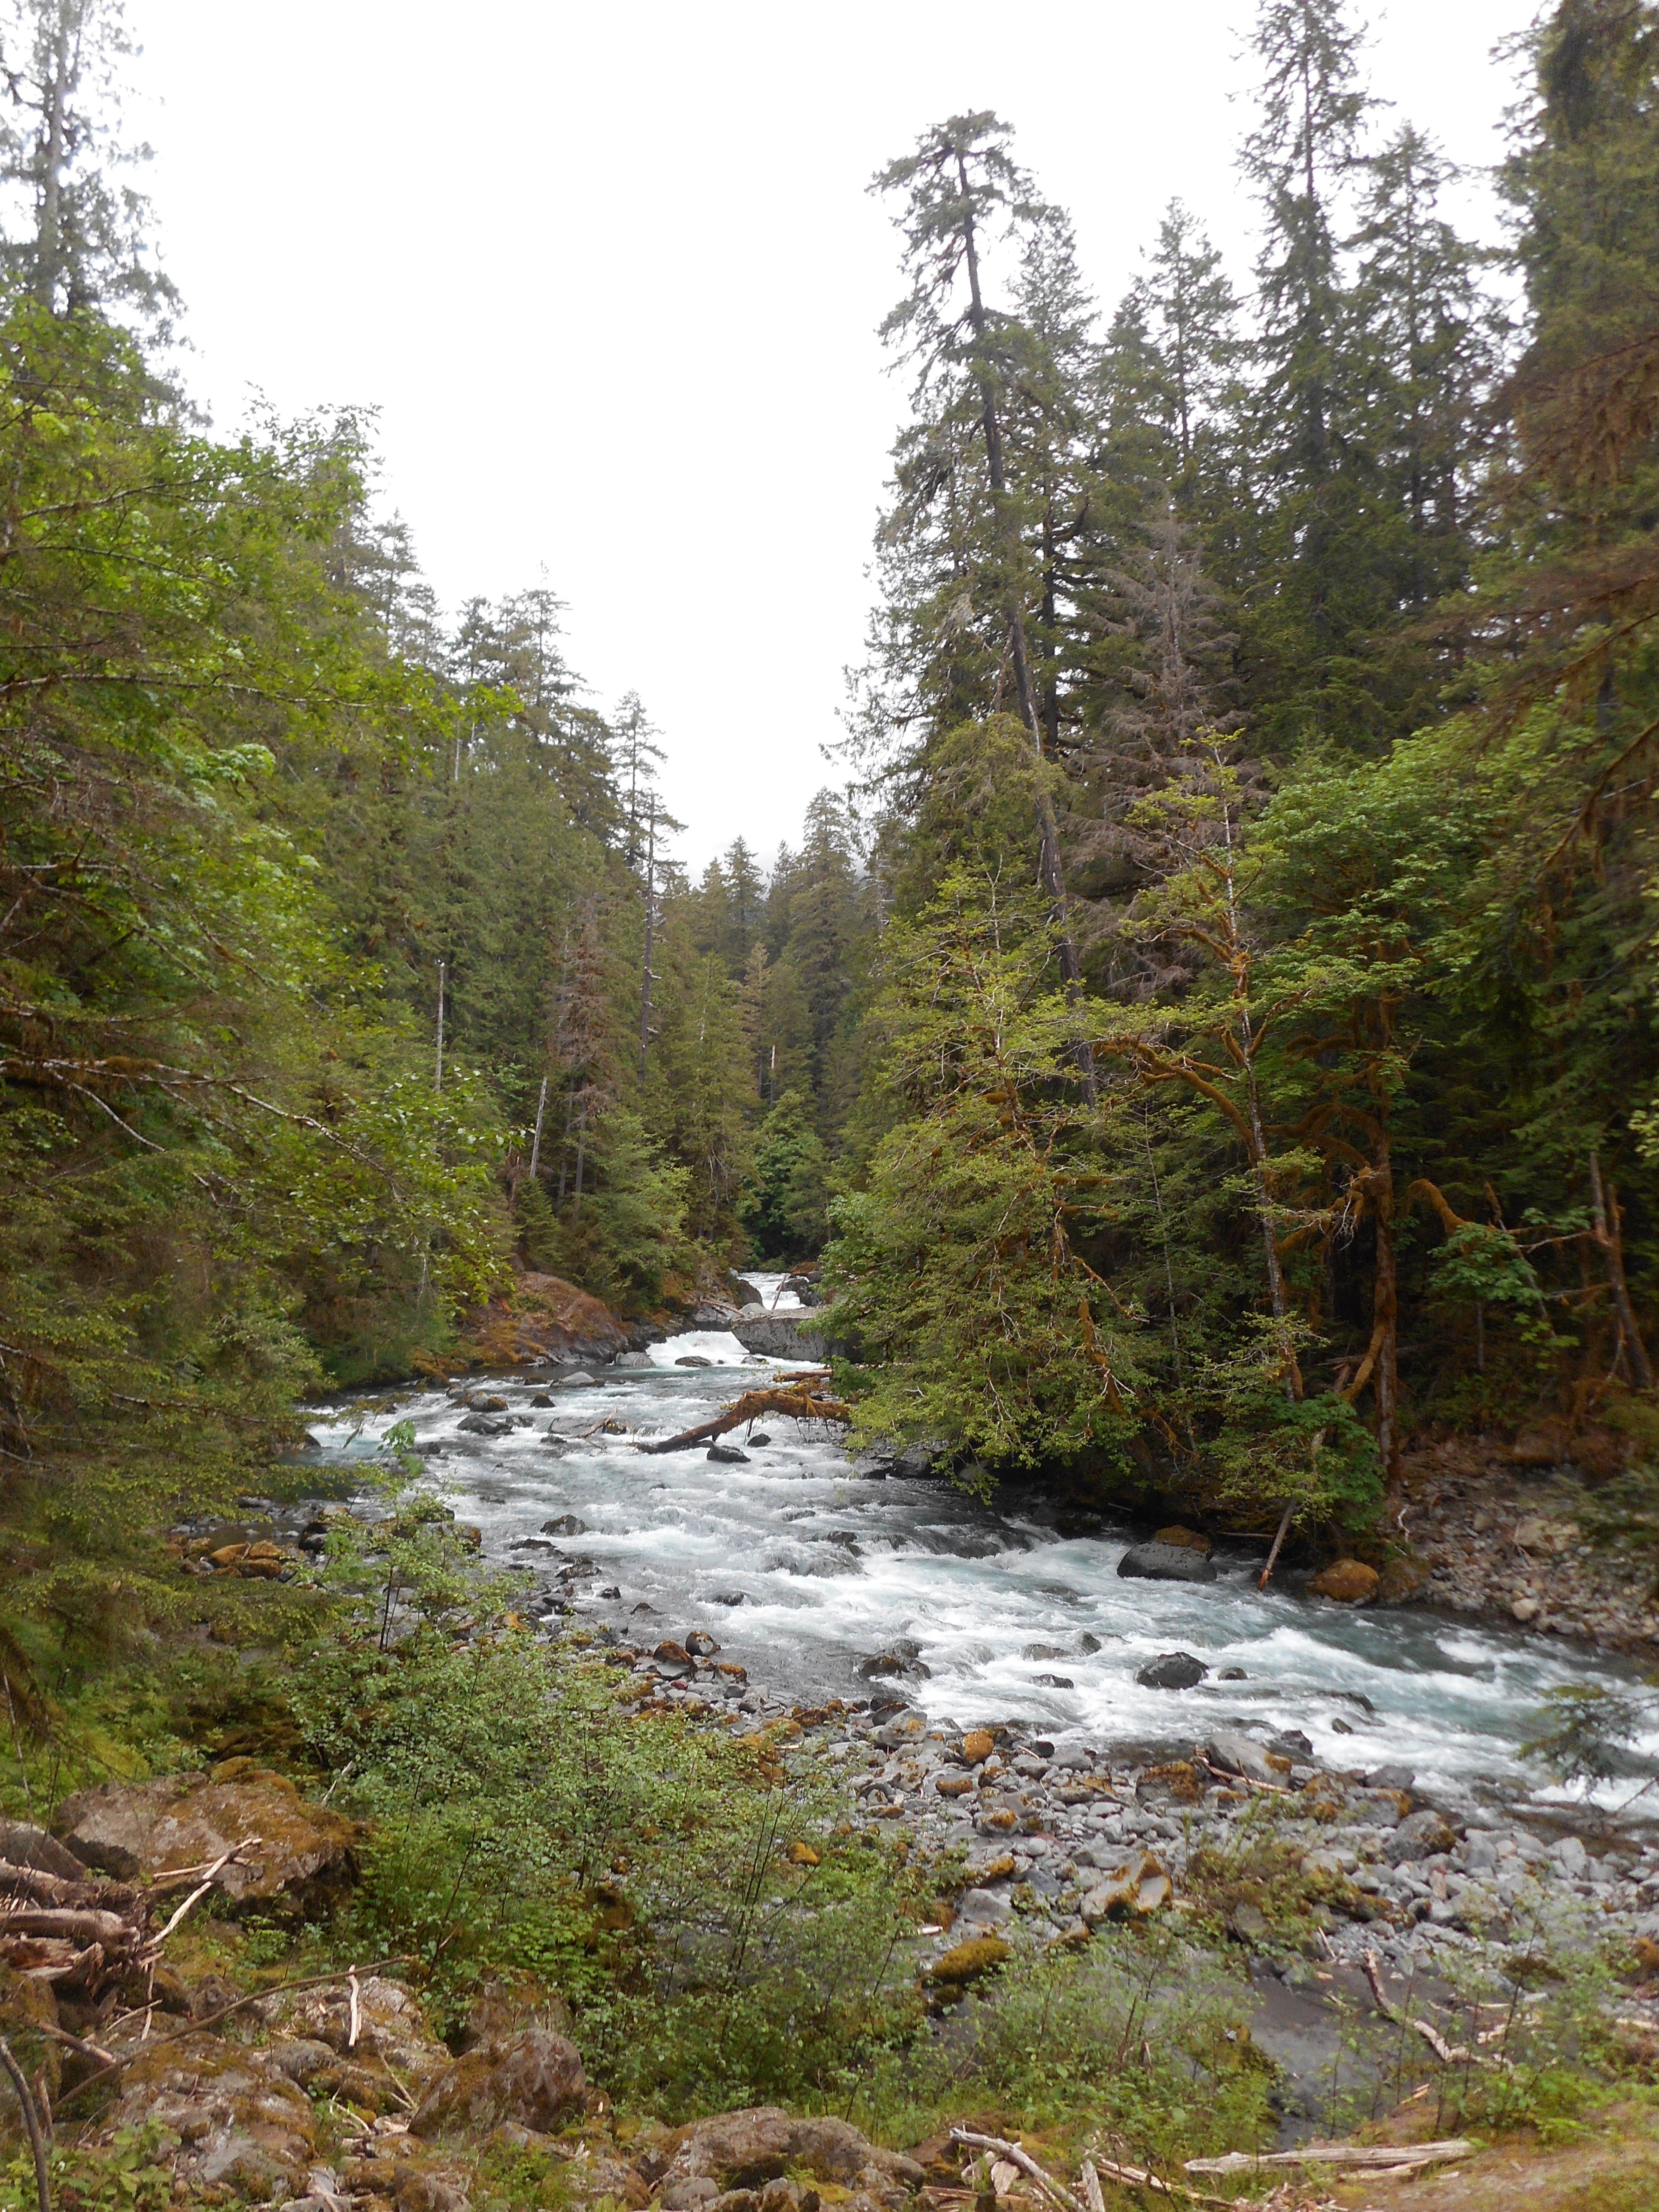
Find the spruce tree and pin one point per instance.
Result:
(80, 238)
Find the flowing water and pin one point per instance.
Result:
(801, 1568)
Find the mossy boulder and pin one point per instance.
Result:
(138, 1831)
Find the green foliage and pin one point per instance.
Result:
(1143, 2034)
(128, 2175)
(1586, 1734)
(787, 1194)
(959, 1269)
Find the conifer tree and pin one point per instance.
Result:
(80, 238)
(961, 187)
(1190, 317)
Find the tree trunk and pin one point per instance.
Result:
(535, 1141)
(49, 248)
(1606, 1229)
(1386, 1315)
(1048, 861)
(645, 982)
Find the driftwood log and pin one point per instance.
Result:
(795, 1398)
(85, 1934)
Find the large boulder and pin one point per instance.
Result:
(243, 2125)
(139, 1830)
(1173, 1670)
(747, 2149)
(532, 2078)
(388, 2028)
(1421, 1835)
(777, 1336)
(1165, 1563)
(1231, 1753)
(1348, 1581)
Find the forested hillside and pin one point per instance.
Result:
(1209, 1039)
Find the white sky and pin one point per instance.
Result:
(609, 275)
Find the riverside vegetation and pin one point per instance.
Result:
(1207, 1052)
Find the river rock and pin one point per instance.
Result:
(805, 1288)
(138, 1830)
(727, 1455)
(1419, 1836)
(1237, 1754)
(1174, 1670)
(693, 1359)
(984, 1906)
(634, 1361)
(967, 1962)
(1185, 1539)
(1349, 1582)
(1165, 1563)
(578, 1379)
(565, 1525)
(700, 1644)
(904, 1728)
(1142, 1886)
(532, 2079)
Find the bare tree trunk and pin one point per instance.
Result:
(1294, 1385)
(645, 977)
(49, 240)
(438, 1072)
(1386, 1313)
(1606, 1229)
(535, 1141)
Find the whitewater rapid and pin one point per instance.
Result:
(802, 1568)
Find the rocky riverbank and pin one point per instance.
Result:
(1496, 1532)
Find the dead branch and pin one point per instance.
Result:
(202, 1888)
(1133, 2177)
(32, 2122)
(1448, 2054)
(796, 1404)
(1025, 2161)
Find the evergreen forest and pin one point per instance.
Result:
(1199, 1052)
(1207, 1038)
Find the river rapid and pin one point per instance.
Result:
(802, 1568)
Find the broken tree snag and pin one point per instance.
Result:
(1266, 1575)
(797, 1403)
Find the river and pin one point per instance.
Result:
(801, 1569)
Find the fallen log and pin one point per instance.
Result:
(81, 1925)
(795, 1402)
(1381, 2158)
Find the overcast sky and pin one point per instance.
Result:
(611, 278)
